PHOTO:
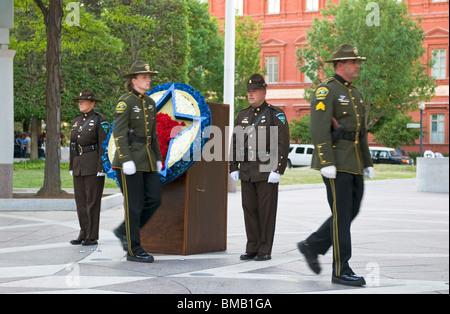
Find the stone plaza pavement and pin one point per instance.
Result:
(400, 245)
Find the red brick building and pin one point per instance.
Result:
(284, 25)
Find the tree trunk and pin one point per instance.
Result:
(34, 138)
(52, 174)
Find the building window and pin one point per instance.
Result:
(312, 5)
(307, 79)
(439, 69)
(272, 70)
(437, 128)
(273, 6)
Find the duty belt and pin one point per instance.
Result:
(249, 155)
(350, 136)
(142, 139)
(79, 150)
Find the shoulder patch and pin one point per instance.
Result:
(121, 106)
(320, 106)
(321, 93)
(105, 126)
(282, 117)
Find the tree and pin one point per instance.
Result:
(299, 130)
(39, 66)
(29, 69)
(207, 52)
(394, 78)
(53, 14)
(393, 131)
(156, 31)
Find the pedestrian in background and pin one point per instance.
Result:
(22, 141)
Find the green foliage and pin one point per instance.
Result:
(393, 79)
(206, 57)
(151, 30)
(248, 59)
(299, 130)
(82, 65)
(392, 132)
(37, 164)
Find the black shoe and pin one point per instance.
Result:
(141, 257)
(89, 242)
(247, 256)
(262, 257)
(77, 241)
(349, 280)
(311, 258)
(122, 238)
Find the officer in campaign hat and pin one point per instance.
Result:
(259, 158)
(346, 52)
(343, 161)
(89, 130)
(137, 159)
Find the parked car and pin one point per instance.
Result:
(300, 155)
(387, 155)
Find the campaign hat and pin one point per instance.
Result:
(139, 67)
(256, 81)
(346, 52)
(87, 94)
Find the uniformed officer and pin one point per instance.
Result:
(342, 159)
(88, 133)
(259, 158)
(137, 159)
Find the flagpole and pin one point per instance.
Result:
(229, 64)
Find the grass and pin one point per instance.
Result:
(30, 174)
(305, 175)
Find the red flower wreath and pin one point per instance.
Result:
(166, 129)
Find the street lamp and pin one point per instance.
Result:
(421, 108)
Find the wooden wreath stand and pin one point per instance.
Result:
(192, 218)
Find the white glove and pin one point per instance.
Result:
(129, 168)
(274, 177)
(101, 174)
(71, 172)
(369, 173)
(329, 172)
(158, 166)
(235, 175)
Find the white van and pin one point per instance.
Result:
(300, 155)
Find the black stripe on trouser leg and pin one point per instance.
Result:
(142, 197)
(127, 211)
(336, 250)
(344, 195)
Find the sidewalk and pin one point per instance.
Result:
(400, 245)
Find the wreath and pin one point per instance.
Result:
(183, 118)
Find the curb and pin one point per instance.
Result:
(108, 202)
